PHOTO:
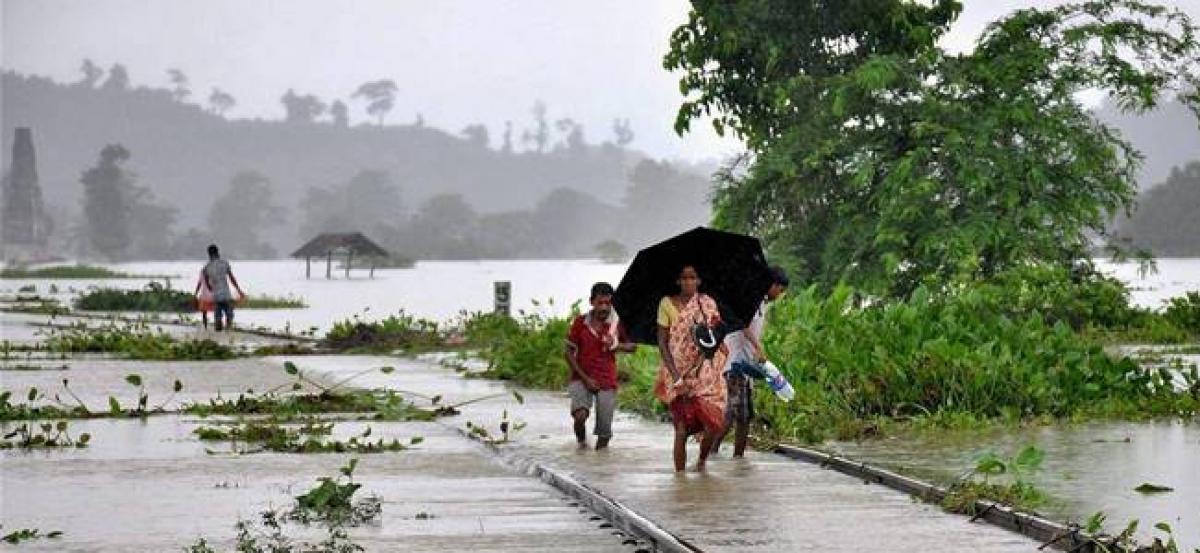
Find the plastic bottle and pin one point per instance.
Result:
(775, 379)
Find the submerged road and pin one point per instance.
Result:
(762, 503)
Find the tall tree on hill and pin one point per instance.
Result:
(507, 145)
(340, 114)
(622, 132)
(476, 134)
(882, 161)
(572, 133)
(151, 225)
(106, 202)
(367, 201)
(443, 227)
(301, 109)
(380, 96)
(180, 89)
(661, 201)
(220, 101)
(91, 73)
(118, 78)
(238, 217)
(539, 135)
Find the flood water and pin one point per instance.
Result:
(440, 290)
(435, 290)
(1088, 468)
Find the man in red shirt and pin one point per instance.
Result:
(592, 346)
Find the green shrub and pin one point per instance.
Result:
(958, 353)
(1079, 298)
(134, 342)
(526, 350)
(529, 351)
(1184, 312)
(154, 297)
(400, 331)
(66, 271)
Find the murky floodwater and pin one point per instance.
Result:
(441, 289)
(1087, 468)
(437, 290)
(763, 503)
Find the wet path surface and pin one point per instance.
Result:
(762, 503)
(149, 485)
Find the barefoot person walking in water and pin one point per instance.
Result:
(744, 364)
(689, 379)
(217, 276)
(592, 346)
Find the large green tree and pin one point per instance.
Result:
(106, 202)
(239, 217)
(878, 159)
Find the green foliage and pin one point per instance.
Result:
(881, 161)
(611, 251)
(134, 341)
(272, 435)
(1184, 312)
(25, 534)
(1079, 297)
(528, 350)
(158, 298)
(66, 271)
(1018, 492)
(154, 297)
(331, 504)
(1148, 488)
(45, 435)
(936, 356)
(400, 331)
(376, 404)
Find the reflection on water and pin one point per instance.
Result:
(1088, 468)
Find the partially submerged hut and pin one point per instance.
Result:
(339, 243)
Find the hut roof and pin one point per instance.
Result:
(340, 242)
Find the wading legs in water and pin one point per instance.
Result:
(581, 416)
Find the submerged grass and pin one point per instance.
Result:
(67, 272)
(396, 332)
(156, 297)
(133, 341)
(310, 437)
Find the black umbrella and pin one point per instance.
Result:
(732, 268)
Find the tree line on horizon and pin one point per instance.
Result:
(125, 221)
(379, 99)
(194, 167)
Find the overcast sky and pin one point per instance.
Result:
(456, 61)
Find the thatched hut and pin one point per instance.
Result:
(330, 244)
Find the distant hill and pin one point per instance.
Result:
(187, 155)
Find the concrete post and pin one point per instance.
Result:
(502, 291)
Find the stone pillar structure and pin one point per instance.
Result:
(24, 220)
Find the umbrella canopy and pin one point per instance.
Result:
(732, 268)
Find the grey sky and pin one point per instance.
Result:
(456, 62)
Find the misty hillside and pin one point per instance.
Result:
(186, 156)
(1168, 137)
(183, 153)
